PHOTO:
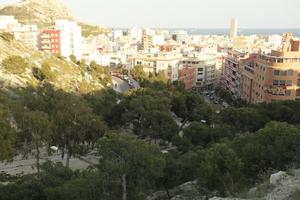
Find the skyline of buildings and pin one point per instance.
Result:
(201, 62)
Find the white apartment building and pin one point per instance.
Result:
(158, 40)
(117, 34)
(27, 34)
(7, 21)
(136, 33)
(233, 28)
(71, 40)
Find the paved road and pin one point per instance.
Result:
(120, 85)
(27, 166)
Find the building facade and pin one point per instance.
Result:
(275, 76)
(70, 38)
(49, 41)
(231, 74)
(186, 75)
(233, 28)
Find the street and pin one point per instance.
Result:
(27, 166)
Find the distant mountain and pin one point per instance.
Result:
(40, 12)
(44, 13)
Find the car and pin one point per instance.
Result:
(216, 102)
(211, 97)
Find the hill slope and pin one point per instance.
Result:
(44, 13)
(40, 12)
(65, 75)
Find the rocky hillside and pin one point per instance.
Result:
(40, 12)
(280, 186)
(63, 74)
(44, 13)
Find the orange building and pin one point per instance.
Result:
(274, 76)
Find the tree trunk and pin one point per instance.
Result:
(168, 193)
(124, 187)
(68, 159)
(37, 158)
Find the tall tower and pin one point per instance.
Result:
(233, 28)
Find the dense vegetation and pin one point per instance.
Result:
(226, 152)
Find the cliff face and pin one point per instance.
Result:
(40, 12)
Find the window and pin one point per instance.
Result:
(298, 93)
(275, 82)
(298, 82)
(288, 93)
(276, 72)
(282, 82)
(289, 83)
(200, 69)
(290, 72)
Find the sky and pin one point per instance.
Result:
(186, 13)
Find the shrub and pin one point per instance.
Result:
(46, 70)
(15, 64)
(38, 74)
(7, 36)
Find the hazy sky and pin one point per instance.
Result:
(187, 13)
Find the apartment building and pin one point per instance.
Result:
(27, 34)
(154, 63)
(233, 28)
(186, 75)
(49, 41)
(274, 76)
(7, 21)
(232, 69)
(70, 38)
(199, 68)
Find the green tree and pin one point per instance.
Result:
(77, 126)
(159, 124)
(100, 73)
(243, 119)
(199, 134)
(221, 170)
(191, 107)
(73, 58)
(138, 73)
(133, 164)
(36, 133)
(276, 146)
(7, 135)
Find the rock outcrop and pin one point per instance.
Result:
(40, 12)
(186, 191)
(286, 186)
(280, 186)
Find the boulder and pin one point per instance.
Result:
(278, 178)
